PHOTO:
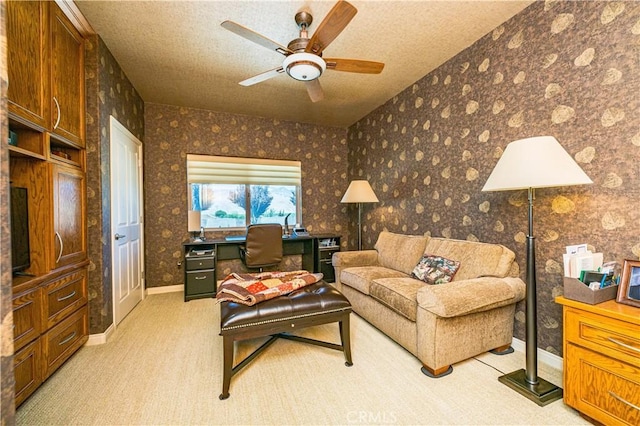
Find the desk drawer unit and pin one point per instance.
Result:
(326, 267)
(199, 270)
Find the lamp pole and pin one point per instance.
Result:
(531, 333)
(359, 226)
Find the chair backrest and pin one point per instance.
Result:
(263, 246)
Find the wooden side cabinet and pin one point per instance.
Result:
(602, 360)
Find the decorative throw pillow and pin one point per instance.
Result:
(435, 269)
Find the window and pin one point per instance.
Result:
(235, 192)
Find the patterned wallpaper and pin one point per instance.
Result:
(568, 69)
(109, 92)
(6, 320)
(173, 132)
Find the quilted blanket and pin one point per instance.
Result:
(250, 289)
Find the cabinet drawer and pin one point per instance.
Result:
(328, 273)
(26, 369)
(617, 339)
(199, 282)
(63, 340)
(327, 254)
(603, 388)
(26, 318)
(63, 296)
(197, 263)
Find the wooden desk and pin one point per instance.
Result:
(313, 250)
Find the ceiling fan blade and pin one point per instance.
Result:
(255, 37)
(336, 20)
(354, 65)
(314, 90)
(262, 77)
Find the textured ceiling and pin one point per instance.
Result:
(176, 52)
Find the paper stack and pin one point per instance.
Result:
(578, 258)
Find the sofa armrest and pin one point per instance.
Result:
(348, 259)
(468, 296)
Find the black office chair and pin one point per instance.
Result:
(263, 246)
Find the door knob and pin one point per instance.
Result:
(118, 236)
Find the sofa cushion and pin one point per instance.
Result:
(360, 277)
(435, 269)
(398, 294)
(400, 252)
(476, 259)
(466, 297)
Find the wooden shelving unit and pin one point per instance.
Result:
(46, 113)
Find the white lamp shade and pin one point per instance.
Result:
(194, 221)
(359, 191)
(537, 162)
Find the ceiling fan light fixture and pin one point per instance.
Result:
(304, 66)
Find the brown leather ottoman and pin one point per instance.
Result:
(314, 304)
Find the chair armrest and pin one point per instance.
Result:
(347, 259)
(468, 296)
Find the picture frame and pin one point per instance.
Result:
(629, 288)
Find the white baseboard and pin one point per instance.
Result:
(100, 339)
(548, 358)
(165, 289)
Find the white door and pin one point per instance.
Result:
(126, 221)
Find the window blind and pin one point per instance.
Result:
(248, 171)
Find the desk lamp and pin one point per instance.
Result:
(359, 191)
(538, 162)
(194, 225)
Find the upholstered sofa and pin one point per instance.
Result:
(440, 324)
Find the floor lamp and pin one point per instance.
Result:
(538, 162)
(359, 191)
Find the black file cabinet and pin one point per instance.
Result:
(326, 248)
(199, 271)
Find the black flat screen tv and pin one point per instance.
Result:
(20, 256)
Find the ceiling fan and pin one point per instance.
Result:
(303, 56)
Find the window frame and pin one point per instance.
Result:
(248, 178)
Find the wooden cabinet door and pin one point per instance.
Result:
(27, 25)
(69, 216)
(67, 78)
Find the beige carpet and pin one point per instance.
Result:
(163, 366)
